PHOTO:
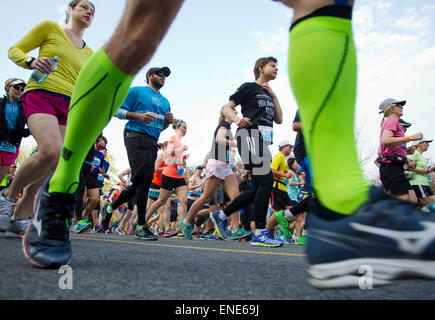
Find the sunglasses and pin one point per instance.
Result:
(20, 88)
(160, 74)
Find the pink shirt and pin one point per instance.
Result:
(175, 163)
(392, 124)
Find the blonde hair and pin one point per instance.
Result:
(9, 81)
(387, 112)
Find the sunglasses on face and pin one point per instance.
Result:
(19, 88)
(160, 74)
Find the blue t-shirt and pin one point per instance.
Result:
(142, 100)
(11, 114)
(98, 161)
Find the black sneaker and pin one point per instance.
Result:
(46, 242)
(144, 233)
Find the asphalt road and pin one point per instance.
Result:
(116, 267)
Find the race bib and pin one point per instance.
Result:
(159, 121)
(266, 133)
(8, 147)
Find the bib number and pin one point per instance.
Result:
(266, 133)
(5, 146)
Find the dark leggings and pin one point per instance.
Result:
(139, 192)
(81, 190)
(258, 195)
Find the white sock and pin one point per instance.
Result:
(222, 215)
(258, 231)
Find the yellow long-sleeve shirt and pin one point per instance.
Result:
(52, 41)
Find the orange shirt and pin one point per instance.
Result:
(157, 179)
(175, 163)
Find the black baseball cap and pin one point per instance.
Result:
(165, 70)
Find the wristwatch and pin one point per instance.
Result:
(29, 61)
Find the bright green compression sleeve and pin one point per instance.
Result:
(99, 92)
(323, 74)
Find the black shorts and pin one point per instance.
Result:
(394, 179)
(92, 180)
(154, 191)
(280, 199)
(422, 191)
(142, 153)
(170, 184)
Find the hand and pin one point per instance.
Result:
(146, 117)
(169, 117)
(269, 90)
(243, 122)
(416, 136)
(42, 64)
(233, 144)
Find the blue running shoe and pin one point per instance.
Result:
(186, 229)
(387, 237)
(265, 239)
(220, 224)
(83, 226)
(240, 233)
(46, 243)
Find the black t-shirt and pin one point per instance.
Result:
(256, 104)
(218, 151)
(299, 147)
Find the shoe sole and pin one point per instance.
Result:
(84, 229)
(259, 244)
(34, 261)
(146, 239)
(351, 273)
(10, 234)
(217, 228)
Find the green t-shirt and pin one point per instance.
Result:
(418, 179)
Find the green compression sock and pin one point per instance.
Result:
(99, 92)
(322, 69)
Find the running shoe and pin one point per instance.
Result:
(302, 240)
(283, 224)
(284, 238)
(220, 224)
(390, 237)
(186, 229)
(144, 233)
(83, 225)
(265, 239)
(206, 236)
(239, 234)
(7, 207)
(170, 233)
(46, 242)
(18, 228)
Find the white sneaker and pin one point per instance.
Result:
(6, 210)
(18, 228)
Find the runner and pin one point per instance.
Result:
(419, 176)
(394, 159)
(260, 108)
(217, 172)
(46, 103)
(173, 174)
(280, 199)
(352, 218)
(149, 114)
(12, 130)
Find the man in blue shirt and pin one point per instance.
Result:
(149, 113)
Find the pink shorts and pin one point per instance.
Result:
(48, 103)
(218, 169)
(8, 158)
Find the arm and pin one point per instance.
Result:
(229, 111)
(157, 164)
(124, 173)
(389, 140)
(32, 40)
(278, 110)
(221, 138)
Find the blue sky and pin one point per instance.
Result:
(212, 46)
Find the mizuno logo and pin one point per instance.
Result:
(414, 242)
